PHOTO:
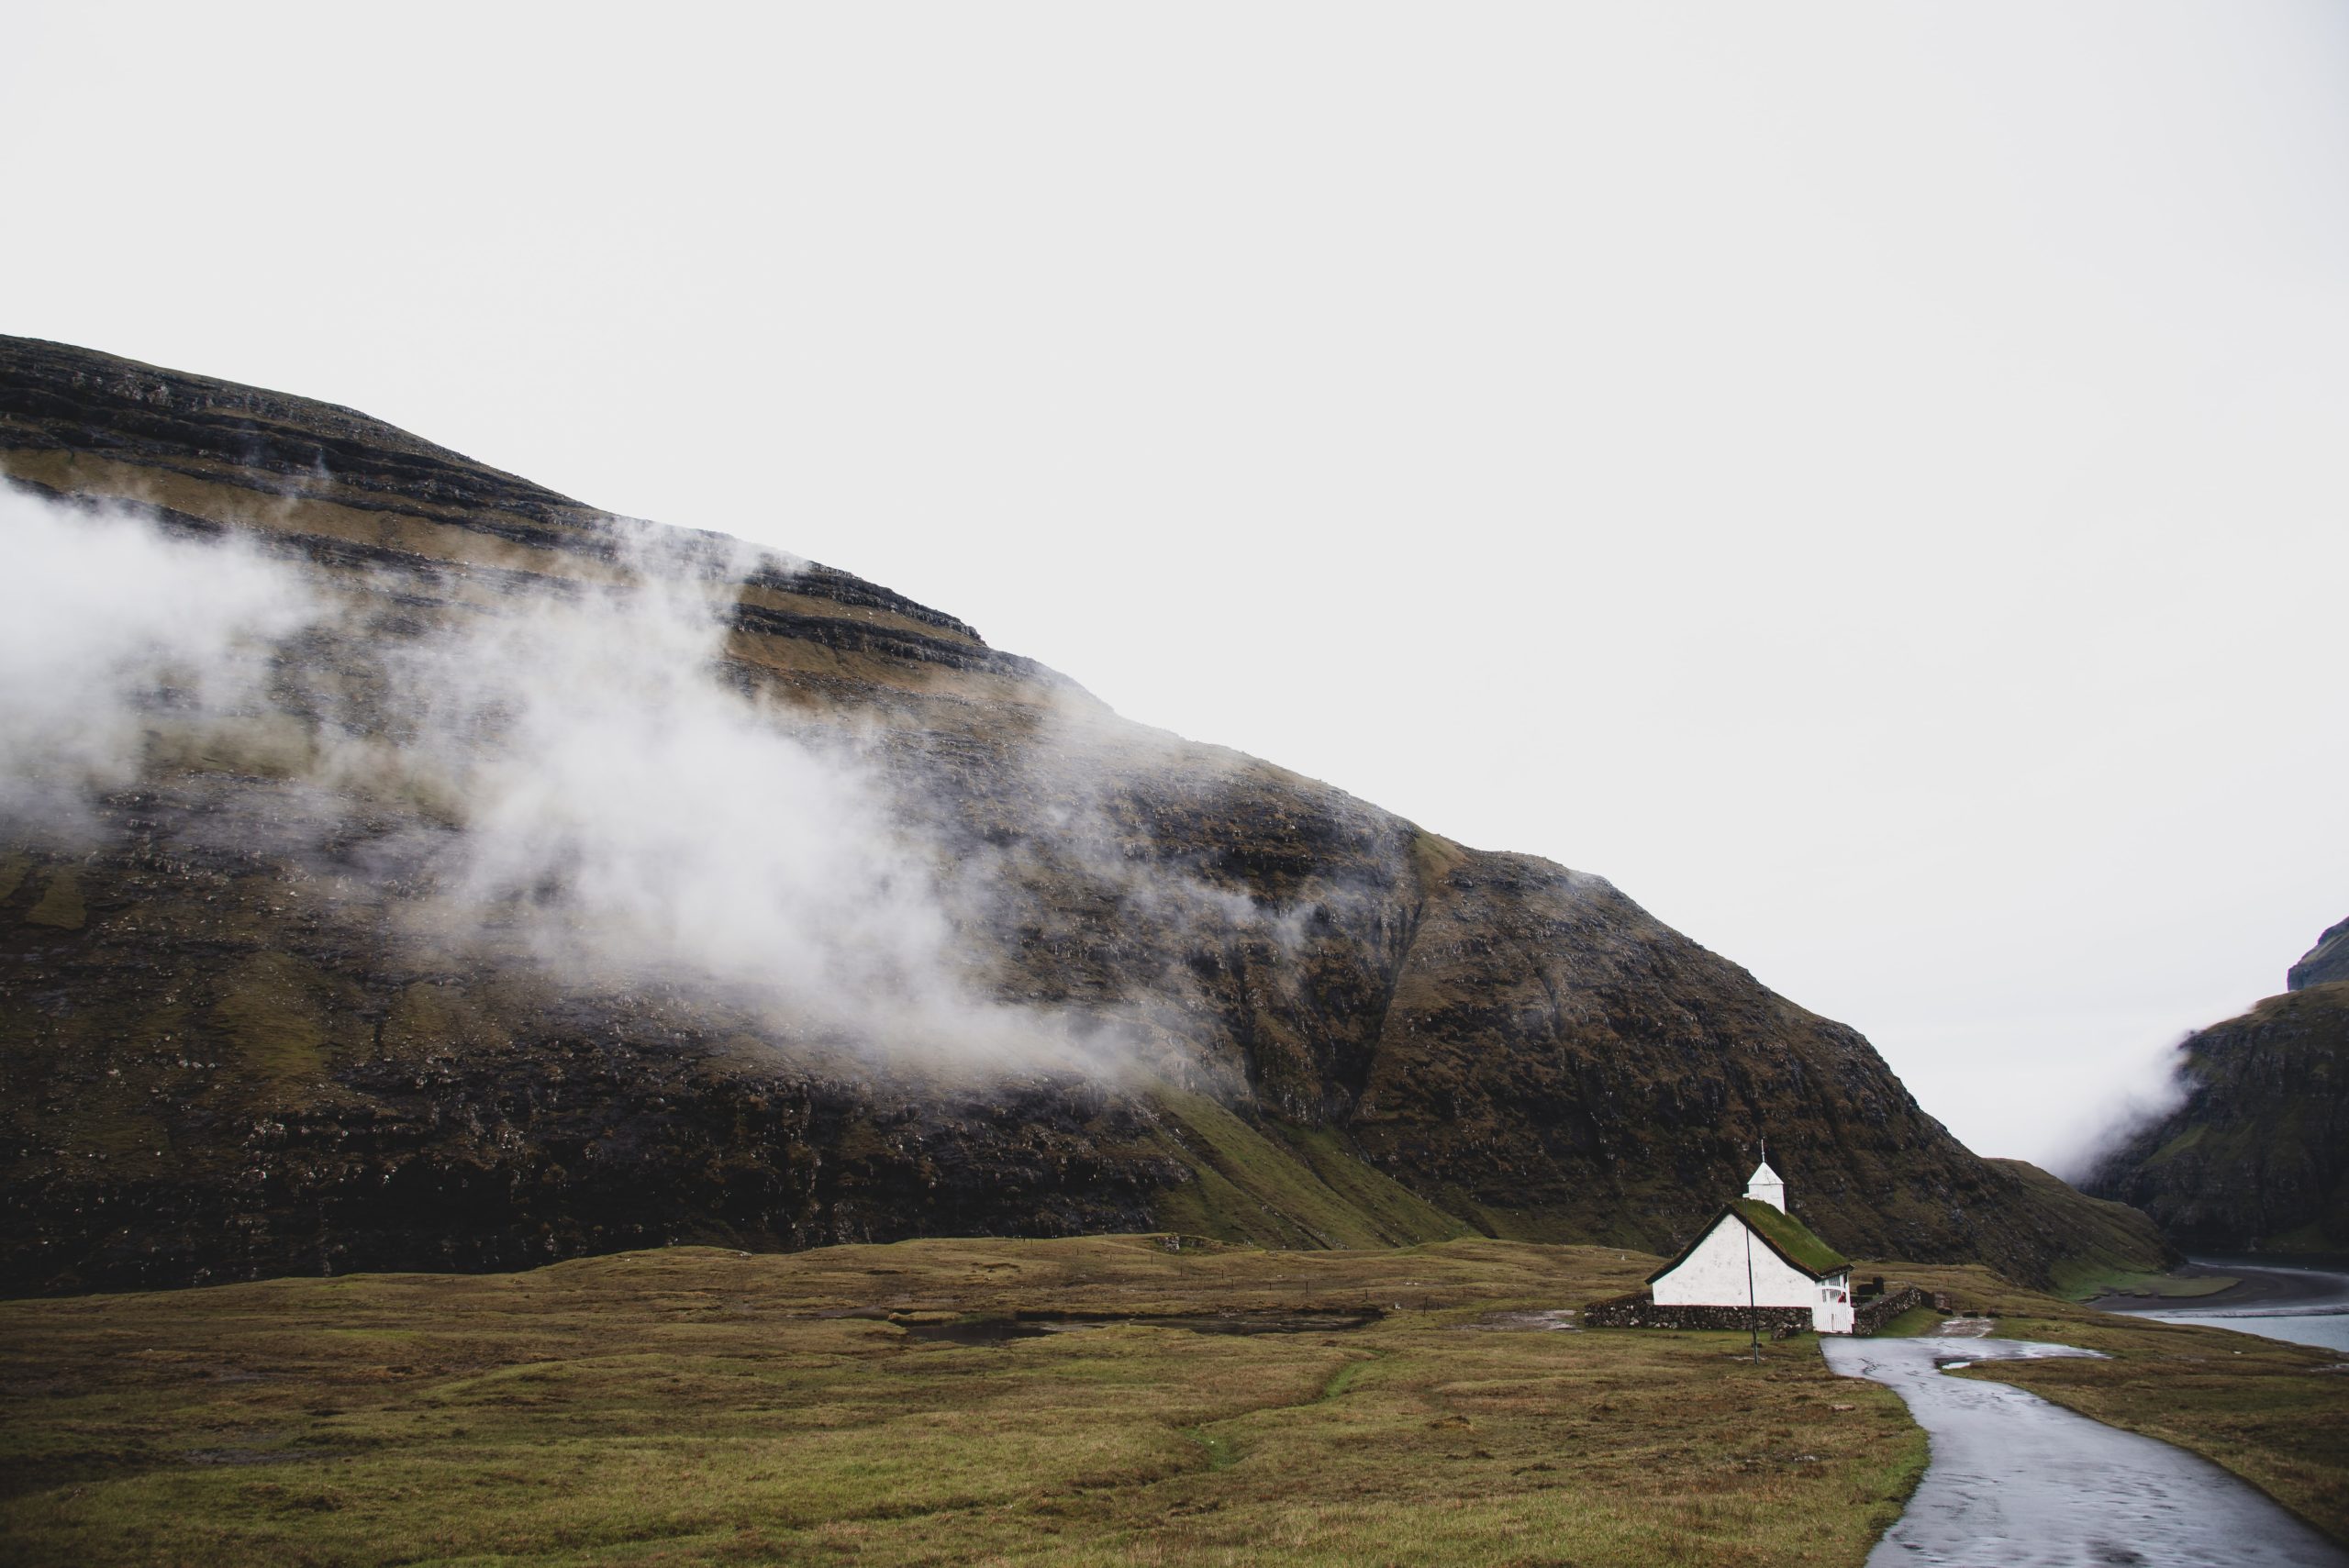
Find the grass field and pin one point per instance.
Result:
(692, 1405)
(2084, 1287)
(699, 1407)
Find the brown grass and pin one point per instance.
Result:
(700, 1406)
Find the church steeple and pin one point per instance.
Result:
(1767, 1185)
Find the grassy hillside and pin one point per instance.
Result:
(1283, 1186)
(2104, 1240)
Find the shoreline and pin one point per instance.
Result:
(2260, 1287)
(2263, 1299)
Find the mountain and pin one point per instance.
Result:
(409, 867)
(2256, 1156)
(2323, 964)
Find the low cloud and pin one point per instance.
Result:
(111, 633)
(2146, 1089)
(635, 812)
(582, 775)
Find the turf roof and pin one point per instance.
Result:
(1781, 1232)
(1789, 1237)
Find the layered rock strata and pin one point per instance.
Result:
(225, 1051)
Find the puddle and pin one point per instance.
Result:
(1000, 1330)
(1557, 1319)
(1964, 1329)
(2015, 1482)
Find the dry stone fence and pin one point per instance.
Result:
(1873, 1315)
(1638, 1310)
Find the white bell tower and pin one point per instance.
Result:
(1766, 1186)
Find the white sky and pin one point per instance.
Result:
(1868, 479)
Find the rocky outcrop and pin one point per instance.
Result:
(225, 1051)
(2255, 1157)
(2326, 963)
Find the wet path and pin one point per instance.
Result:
(2016, 1482)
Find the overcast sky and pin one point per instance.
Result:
(1873, 481)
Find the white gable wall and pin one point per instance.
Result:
(1714, 1274)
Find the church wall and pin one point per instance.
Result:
(1714, 1274)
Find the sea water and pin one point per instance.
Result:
(2319, 1318)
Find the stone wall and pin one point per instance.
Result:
(1875, 1314)
(1638, 1310)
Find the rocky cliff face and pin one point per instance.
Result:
(2256, 1156)
(271, 1007)
(2326, 963)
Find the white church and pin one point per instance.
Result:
(1756, 1254)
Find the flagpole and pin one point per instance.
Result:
(1753, 1312)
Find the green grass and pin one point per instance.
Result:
(2082, 1284)
(2105, 1238)
(1397, 1213)
(270, 1014)
(288, 1021)
(1290, 1188)
(1789, 1235)
(694, 1405)
(1909, 1325)
(60, 904)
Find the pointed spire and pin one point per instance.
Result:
(1767, 1185)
